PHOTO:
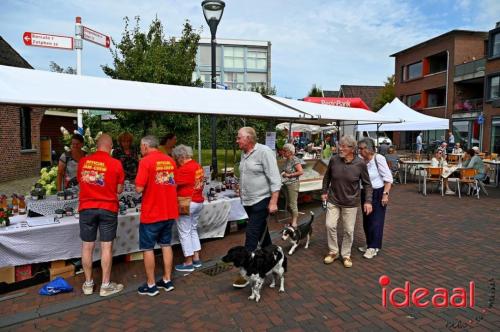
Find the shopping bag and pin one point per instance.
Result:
(56, 286)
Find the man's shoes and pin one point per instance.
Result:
(362, 249)
(449, 192)
(330, 258)
(240, 282)
(370, 253)
(167, 286)
(184, 268)
(347, 262)
(146, 290)
(197, 264)
(88, 289)
(110, 289)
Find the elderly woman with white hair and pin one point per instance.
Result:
(189, 179)
(291, 171)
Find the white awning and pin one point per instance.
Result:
(329, 113)
(21, 86)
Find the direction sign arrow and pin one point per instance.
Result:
(45, 40)
(96, 37)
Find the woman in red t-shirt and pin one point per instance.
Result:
(189, 178)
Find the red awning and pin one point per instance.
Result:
(345, 102)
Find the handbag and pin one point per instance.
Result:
(184, 203)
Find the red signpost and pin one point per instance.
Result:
(96, 37)
(46, 40)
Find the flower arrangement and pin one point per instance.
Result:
(89, 144)
(4, 217)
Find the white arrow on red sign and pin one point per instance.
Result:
(45, 40)
(96, 37)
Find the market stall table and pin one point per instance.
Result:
(21, 244)
(407, 163)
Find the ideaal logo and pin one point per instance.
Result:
(421, 297)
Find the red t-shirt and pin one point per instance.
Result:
(159, 198)
(189, 178)
(99, 176)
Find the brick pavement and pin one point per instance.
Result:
(431, 241)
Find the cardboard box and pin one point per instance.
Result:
(320, 167)
(23, 272)
(64, 271)
(8, 274)
(57, 264)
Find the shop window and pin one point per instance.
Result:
(495, 135)
(25, 122)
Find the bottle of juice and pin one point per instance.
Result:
(3, 202)
(22, 205)
(15, 204)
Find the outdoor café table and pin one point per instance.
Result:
(408, 163)
(496, 163)
(21, 244)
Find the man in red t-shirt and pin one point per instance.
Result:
(101, 180)
(159, 209)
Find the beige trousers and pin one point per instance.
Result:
(348, 215)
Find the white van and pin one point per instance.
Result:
(382, 137)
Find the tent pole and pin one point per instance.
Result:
(199, 140)
(289, 131)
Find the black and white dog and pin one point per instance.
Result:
(297, 235)
(255, 266)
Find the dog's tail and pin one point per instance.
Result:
(312, 218)
(285, 265)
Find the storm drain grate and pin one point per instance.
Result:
(217, 269)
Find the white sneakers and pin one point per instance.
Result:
(449, 192)
(362, 249)
(370, 253)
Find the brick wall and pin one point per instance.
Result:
(17, 164)
(490, 112)
(50, 127)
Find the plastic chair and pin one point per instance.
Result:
(434, 176)
(467, 177)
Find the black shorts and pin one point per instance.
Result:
(105, 220)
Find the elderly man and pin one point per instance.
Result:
(341, 190)
(260, 184)
(159, 209)
(101, 180)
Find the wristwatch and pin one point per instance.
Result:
(386, 193)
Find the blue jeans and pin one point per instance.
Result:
(257, 221)
(158, 232)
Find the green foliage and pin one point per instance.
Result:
(386, 95)
(315, 91)
(264, 90)
(152, 57)
(58, 69)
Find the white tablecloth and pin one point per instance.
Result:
(20, 244)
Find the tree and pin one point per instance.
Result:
(152, 57)
(386, 94)
(264, 90)
(315, 91)
(58, 69)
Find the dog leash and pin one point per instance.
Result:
(259, 244)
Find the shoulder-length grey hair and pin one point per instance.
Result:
(369, 144)
(182, 152)
(289, 147)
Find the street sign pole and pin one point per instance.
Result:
(79, 47)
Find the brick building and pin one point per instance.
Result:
(454, 76)
(19, 129)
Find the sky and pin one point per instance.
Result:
(327, 43)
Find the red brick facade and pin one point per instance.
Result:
(17, 163)
(51, 128)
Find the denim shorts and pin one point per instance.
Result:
(92, 219)
(158, 232)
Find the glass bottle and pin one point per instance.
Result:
(15, 204)
(22, 205)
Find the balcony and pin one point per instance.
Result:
(469, 105)
(470, 70)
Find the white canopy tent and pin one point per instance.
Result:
(41, 88)
(299, 127)
(328, 113)
(412, 120)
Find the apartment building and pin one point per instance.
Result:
(491, 107)
(240, 64)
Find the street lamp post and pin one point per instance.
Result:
(212, 10)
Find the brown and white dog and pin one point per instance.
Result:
(255, 266)
(296, 235)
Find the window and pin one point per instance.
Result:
(233, 57)
(414, 70)
(25, 122)
(437, 63)
(256, 60)
(493, 89)
(234, 81)
(413, 101)
(436, 97)
(494, 44)
(495, 135)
